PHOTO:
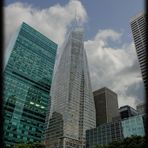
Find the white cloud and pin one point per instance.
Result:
(52, 22)
(114, 67)
(106, 34)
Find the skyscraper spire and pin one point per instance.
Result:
(76, 16)
(76, 22)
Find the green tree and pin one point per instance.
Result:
(29, 145)
(129, 142)
(134, 142)
(100, 146)
(21, 145)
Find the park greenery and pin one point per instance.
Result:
(29, 145)
(129, 142)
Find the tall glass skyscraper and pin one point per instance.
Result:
(72, 104)
(138, 24)
(27, 81)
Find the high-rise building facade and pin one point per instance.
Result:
(72, 104)
(27, 82)
(127, 111)
(141, 108)
(115, 131)
(138, 24)
(106, 104)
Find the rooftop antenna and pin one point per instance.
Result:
(75, 20)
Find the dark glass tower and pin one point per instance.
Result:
(106, 104)
(27, 80)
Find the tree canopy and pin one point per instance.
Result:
(129, 142)
(29, 145)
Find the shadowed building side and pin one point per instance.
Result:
(106, 104)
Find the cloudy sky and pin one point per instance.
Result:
(108, 40)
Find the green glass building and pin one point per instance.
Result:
(27, 80)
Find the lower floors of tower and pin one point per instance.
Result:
(64, 142)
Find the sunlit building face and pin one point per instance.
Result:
(72, 104)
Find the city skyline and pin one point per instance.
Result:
(106, 47)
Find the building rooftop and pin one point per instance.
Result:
(102, 90)
(127, 107)
(137, 16)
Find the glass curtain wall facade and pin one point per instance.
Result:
(115, 131)
(72, 102)
(27, 82)
(104, 134)
(133, 126)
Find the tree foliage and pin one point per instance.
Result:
(29, 145)
(129, 142)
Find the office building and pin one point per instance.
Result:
(138, 24)
(104, 134)
(106, 104)
(127, 111)
(133, 126)
(115, 131)
(72, 104)
(27, 82)
(141, 108)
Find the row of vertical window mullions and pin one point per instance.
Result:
(29, 37)
(29, 50)
(38, 35)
